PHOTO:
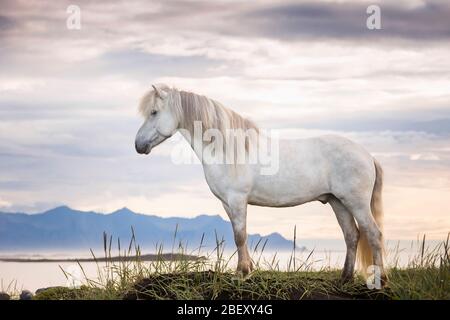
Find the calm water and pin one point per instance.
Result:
(34, 275)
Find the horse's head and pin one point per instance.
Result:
(160, 119)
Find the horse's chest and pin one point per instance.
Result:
(217, 183)
(217, 188)
(223, 182)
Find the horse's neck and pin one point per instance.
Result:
(195, 141)
(202, 147)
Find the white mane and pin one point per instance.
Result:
(190, 107)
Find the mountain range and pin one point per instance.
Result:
(66, 228)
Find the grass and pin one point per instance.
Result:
(426, 276)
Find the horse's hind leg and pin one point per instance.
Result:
(368, 227)
(351, 236)
(236, 209)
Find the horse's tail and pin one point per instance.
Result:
(365, 256)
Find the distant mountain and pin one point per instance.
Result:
(65, 228)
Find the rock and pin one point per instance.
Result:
(26, 295)
(4, 296)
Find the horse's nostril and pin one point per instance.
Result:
(139, 147)
(142, 148)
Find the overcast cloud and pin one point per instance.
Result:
(68, 100)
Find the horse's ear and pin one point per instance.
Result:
(160, 93)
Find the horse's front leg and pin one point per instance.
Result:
(236, 208)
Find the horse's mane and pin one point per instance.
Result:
(211, 113)
(190, 107)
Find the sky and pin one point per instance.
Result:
(69, 97)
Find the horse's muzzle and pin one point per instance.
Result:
(142, 148)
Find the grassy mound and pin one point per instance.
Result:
(427, 276)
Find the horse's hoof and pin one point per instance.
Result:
(346, 278)
(245, 268)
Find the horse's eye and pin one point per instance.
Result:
(153, 112)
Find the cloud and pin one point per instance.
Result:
(68, 99)
(4, 203)
(425, 157)
(347, 20)
(6, 23)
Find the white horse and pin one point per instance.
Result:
(329, 169)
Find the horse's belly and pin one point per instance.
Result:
(301, 178)
(278, 201)
(286, 193)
